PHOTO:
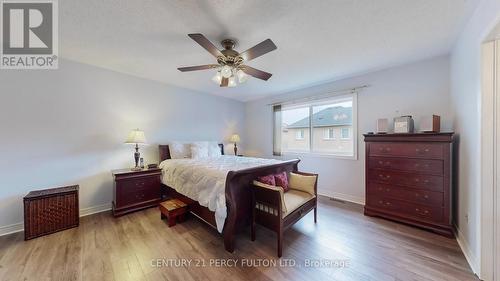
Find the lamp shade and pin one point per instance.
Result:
(136, 136)
(235, 138)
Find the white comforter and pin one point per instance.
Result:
(204, 180)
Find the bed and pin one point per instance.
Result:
(230, 176)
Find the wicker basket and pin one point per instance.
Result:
(50, 210)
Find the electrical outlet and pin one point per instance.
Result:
(467, 218)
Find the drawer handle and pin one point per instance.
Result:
(426, 181)
(425, 212)
(416, 165)
(387, 163)
(417, 180)
(384, 177)
(388, 203)
(388, 189)
(425, 195)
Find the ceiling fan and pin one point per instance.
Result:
(230, 64)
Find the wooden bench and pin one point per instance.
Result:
(173, 210)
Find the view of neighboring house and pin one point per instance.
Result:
(331, 133)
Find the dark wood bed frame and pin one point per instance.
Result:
(238, 196)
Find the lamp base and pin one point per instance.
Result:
(136, 169)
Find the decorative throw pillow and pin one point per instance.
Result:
(214, 150)
(199, 150)
(302, 182)
(179, 150)
(281, 179)
(267, 180)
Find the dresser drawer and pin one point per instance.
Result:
(428, 182)
(402, 208)
(418, 150)
(136, 190)
(411, 195)
(434, 167)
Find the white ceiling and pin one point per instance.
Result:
(317, 41)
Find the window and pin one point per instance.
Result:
(344, 133)
(295, 129)
(312, 127)
(328, 134)
(299, 134)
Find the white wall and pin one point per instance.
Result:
(465, 86)
(416, 89)
(68, 127)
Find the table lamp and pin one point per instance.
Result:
(136, 137)
(235, 138)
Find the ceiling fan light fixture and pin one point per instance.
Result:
(226, 71)
(217, 78)
(242, 76)
(232, 81)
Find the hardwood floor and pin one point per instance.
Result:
(126, 248)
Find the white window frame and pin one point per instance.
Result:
(354, 132)
(326, 134)
(348, 134)
(300, 134)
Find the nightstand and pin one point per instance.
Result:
(135, 190)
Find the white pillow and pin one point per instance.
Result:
(199, 150)
(214, 150)
(179, 150)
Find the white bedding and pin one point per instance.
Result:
(204, 180)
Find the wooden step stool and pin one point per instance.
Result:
(173, 209)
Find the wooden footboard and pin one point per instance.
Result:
(239, 197)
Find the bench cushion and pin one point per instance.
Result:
(294, 199)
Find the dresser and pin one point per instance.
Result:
(135, 190)
(408, 179)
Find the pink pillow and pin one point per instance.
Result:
(282, 180)
(267, 180)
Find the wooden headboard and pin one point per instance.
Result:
(165, 151)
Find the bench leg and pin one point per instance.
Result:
(252, 226)
(280, 243)
(315, 214)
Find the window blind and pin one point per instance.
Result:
(277, 130)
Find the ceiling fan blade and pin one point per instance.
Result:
(258, 50)
(198, 67)
(206, 44)
(224, 82)
(257, 73)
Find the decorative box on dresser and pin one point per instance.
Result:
(136, 190)
(408, 179)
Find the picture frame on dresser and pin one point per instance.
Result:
(409, 179)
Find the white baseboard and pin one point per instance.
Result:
(13, 228)
(469, 256)
(95, 209)
(344, 197)
(18, 227)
